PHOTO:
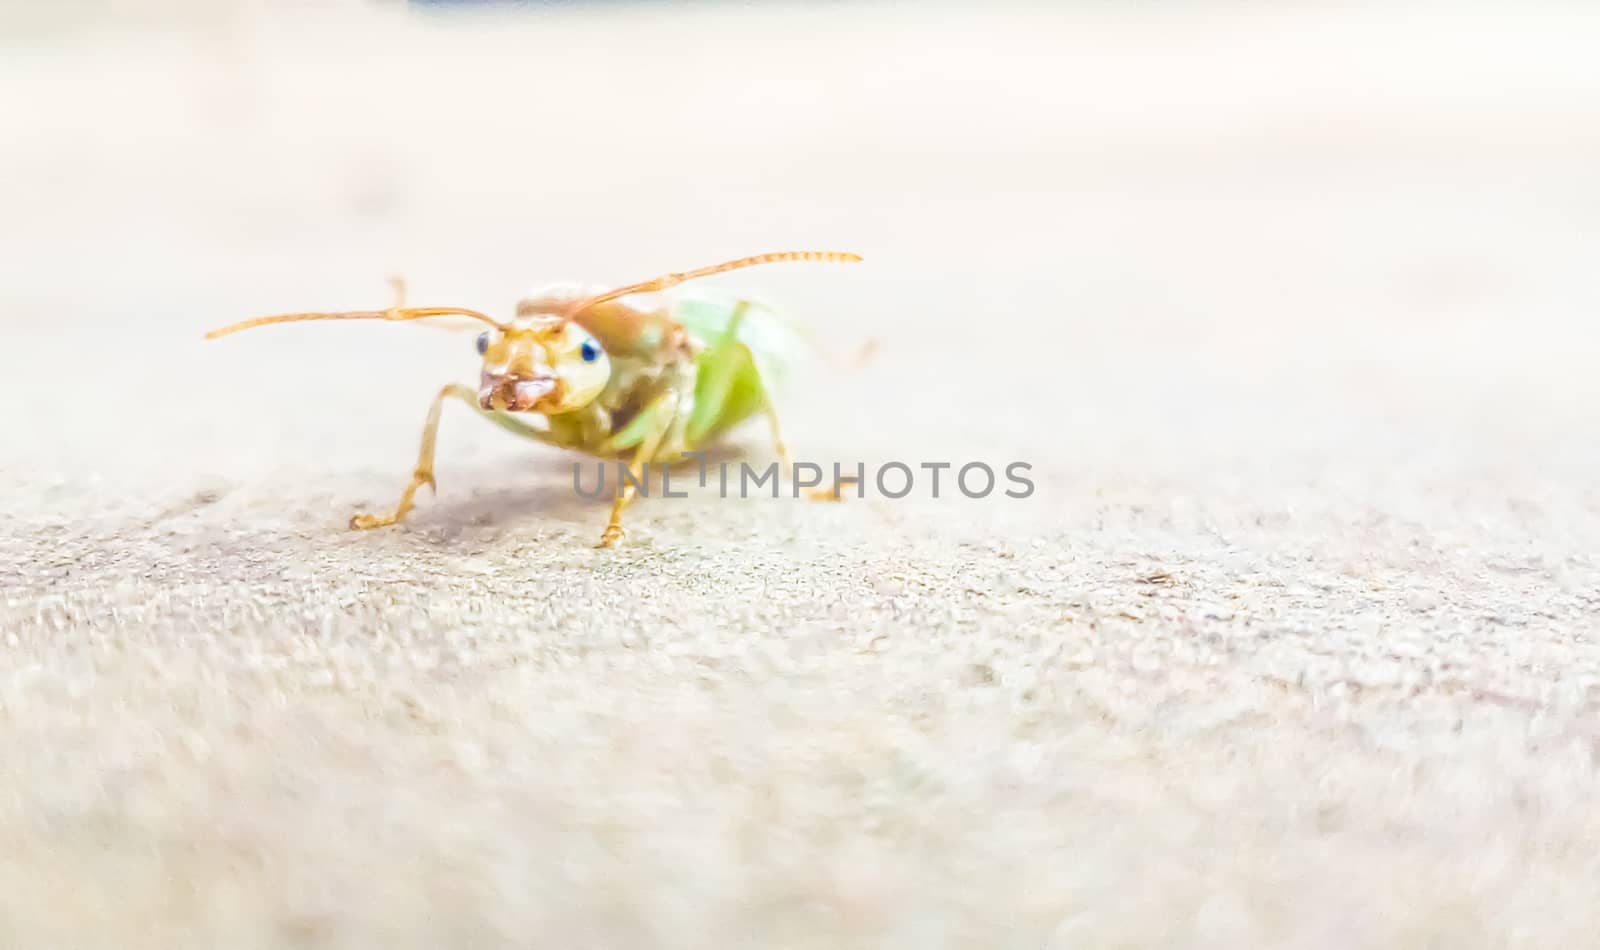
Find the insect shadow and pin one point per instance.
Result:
(552, 495)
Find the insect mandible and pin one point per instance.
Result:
(628, 372)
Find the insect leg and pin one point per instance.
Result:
(661, 414)
(778, 445)
(423, 474)
(770, 410)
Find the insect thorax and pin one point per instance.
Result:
(554, 299)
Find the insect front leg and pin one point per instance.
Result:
(423, 473)
(649, 430)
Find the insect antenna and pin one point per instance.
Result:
(393, 313)
(673, 280)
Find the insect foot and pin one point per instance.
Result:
(419, 478)
(611, 536)
(836, 493)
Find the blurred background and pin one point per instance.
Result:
(1394, 202)
(1291, 306)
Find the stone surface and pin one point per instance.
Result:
(1292, 312)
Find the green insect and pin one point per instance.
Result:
(628, 372)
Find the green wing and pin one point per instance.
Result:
(775, 342)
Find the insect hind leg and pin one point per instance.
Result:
(770, 410)
(782, 448)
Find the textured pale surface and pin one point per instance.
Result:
(1294, 646)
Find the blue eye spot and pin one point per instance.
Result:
(483, 342)
(589, 352)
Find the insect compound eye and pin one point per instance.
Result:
(483, 342)
(589, 352)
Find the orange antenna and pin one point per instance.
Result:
(393, 313)
(673, 280)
